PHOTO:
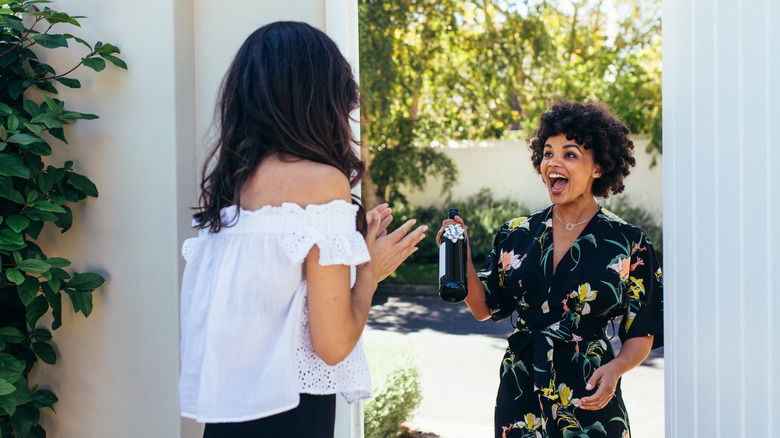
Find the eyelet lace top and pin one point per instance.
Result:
(246, 350)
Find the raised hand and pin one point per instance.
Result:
(388, 251)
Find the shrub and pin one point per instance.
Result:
(397, 392)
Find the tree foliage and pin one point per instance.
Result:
(32, 193)
(476, 69)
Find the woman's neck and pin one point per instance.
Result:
(577, 211)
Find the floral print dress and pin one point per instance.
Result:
(610, 271)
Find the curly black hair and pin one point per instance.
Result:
(595, 127)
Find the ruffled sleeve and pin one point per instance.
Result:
(644, 315)
(332, 227)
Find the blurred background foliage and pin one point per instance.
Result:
(432, 71)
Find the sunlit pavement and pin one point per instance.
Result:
(459, 359)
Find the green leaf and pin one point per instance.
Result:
(32, 108)
(83, 183)
(24, 419)
(34, 230)
(35, 310)
(39, 215)
(86, 282)
(58, 262)
(45, 85)
(51, 41)
(73, 115)
(96, 64)
(42, 149)
(6, 187)
(79, 40)
(44, 399)
(14, 276)
(36, 128)
(12, 165)
(114, 60)
(40, 334)
(32, 196)
(82, 301)
(51, 104)
(28, 290)
(18, 223)
(46, 205)
(59, 134)
(6, 110)
(68, 82)
(45, 352)
(13, 124)
(34, 266)
(8, 404)
(6, 388)
(24, 139)
(11, 335)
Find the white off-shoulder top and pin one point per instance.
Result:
(245, 346)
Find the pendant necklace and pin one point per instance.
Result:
(570, 226)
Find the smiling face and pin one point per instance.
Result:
(568, 170)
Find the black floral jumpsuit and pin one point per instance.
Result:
(610, 271)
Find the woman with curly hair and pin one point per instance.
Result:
(278, 284)
(568, 271)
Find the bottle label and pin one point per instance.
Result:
(442, 259)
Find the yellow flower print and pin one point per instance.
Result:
(519, 222)
(637, 289)
(622, 266)
(567, 395)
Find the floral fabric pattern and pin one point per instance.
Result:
(610, 272)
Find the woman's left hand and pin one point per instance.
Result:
(606, 378)
(385, 217)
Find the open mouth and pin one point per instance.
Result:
(557, 182)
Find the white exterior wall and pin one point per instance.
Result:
(505, 167)
(721, 203)
(117, 370)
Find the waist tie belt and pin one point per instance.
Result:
(542, 341)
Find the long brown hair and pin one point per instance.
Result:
(289, 90)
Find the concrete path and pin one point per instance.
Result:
(459, 359)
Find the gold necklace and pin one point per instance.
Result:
(570, 226)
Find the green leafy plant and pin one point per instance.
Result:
(33, 193)
(397, 389)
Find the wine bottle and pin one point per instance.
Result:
(452, 262)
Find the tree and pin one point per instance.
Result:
(476, 69)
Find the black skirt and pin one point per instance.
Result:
(314, 417)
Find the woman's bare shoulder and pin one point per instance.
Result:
(302, 182)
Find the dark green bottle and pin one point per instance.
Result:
(452, 263)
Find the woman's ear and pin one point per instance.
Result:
(597, 172)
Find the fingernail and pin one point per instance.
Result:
(588, 386)
(422, 236)
(424, 227)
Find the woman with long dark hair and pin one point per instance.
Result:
(278, 284)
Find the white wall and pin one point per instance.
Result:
(117, 370)
(505, 167)
(721, 203)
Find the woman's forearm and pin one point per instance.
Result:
(633, 353)
(476, 297)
